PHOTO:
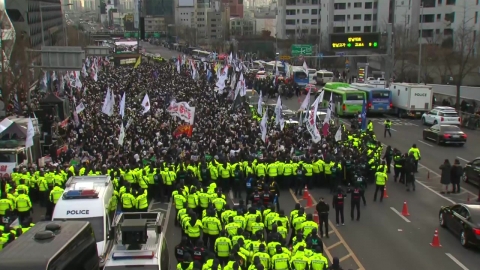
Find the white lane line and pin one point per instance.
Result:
(393, 129)
(463, 159)
(425, 143)
(455, 260)
(400, 215)
(434, 191)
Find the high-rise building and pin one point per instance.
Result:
(236, 7)
(25, 16)
(159, 7)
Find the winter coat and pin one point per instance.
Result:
(446, 174)
(456, 173)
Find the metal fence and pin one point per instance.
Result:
(470, 120)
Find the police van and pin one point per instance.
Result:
(59, 245)
(88, 198)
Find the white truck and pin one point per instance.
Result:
(411, 99)
(139, 242)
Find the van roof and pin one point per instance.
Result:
(26, 252)
(95, 204)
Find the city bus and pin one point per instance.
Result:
(346, 100)
(270, 67)
(199, 54)
(379, 99)
(299, 76)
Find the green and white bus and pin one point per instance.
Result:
(346, 100)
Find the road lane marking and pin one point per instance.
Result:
(167, 218)
(438, 194)
(335, 245)
(344, 258)
(340, 238)
(400, 215)
(438, 175)
(425, 143)
(463, 159)
(455, 260)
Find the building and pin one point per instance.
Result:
(184, 12)
(163, 8)
(155, 24)
(210, 23)
(25, 16)
(243, 27)
(236, 7)
(436, 20)
(298, 18)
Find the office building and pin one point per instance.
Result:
(164, 8)
(298, 18)
(242, 27)
(25, 16)
(236, 7)
(210, 22)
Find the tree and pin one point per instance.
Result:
(404, 53)
(460, 59)
(17, 77)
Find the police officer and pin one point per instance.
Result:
(416, 153)
(142, 201)
(222, 247)
(183, 247)
(280, 261)
(6, 207)
(55, 195)
(410, 172)
(317, 261)
(388, 125)
(323, 208)
(357, 194)
(398, 163)
(381, 180)
(338, 204)
(23, 205)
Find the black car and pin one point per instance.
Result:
(445, 134)
(463, 220)
(471, 172)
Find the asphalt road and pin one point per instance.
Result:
(164, 52)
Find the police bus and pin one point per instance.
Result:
(59, 245)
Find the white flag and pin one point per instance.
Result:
(30, 133)
(305, 67)
(305, 102)
(146, 104)
(121, 137)
(122, 105)
(106, 102)
(243, 87)
(312, 121)
(263, 126)
(259, 105)
(278, 111)
(80, 107)
(111, 104)
(178, 67)
(338, 135)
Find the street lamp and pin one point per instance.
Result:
(63, 23)
(420, 45)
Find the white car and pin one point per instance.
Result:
(261, 75)
(441, 115)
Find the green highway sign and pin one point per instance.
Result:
(302, 49)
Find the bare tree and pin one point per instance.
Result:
(17, 80)
(461, 59)
(405, 52)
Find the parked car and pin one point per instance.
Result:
(471, 172)
(462, 220)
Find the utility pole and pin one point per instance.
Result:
(2, 45)
(139, 20)
(420, 45)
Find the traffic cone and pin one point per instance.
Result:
(309, 201)
(405, 210)
(385, 194)
(315, 217)
(305, 193)
(436, 240)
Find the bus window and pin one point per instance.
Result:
(300, 75)
(380, 94)
(354, 97)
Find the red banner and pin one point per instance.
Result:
(183, 129)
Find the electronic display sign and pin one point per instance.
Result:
(353, 41)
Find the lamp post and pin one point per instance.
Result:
(63, 22)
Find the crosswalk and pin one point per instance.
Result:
(395, 121)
